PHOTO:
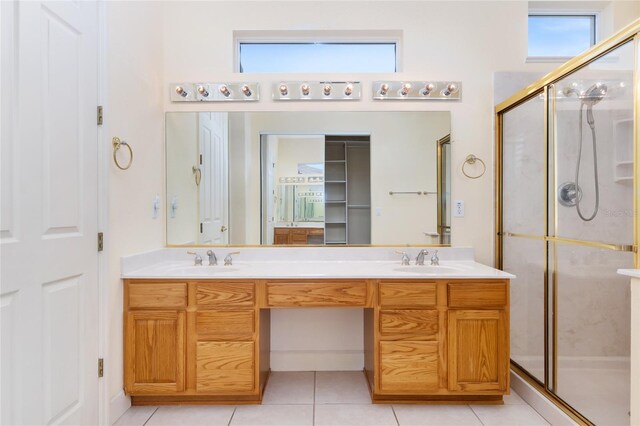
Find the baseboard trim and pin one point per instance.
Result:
(317, 360)
(118, 404)
(540, 403)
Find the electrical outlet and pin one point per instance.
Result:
(458, 208)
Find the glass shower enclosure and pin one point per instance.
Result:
(567, 190)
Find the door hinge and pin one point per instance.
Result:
(100, 118)
(100, 241)
(200, 159)
(100, 367)
(201, 227)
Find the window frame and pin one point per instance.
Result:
(310, 37)
(595, 30)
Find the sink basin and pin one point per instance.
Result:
(427, 270)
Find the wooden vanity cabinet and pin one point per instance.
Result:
(155, 338)
(439, 340)
(207, 341)
(298, 236)
(194, 342)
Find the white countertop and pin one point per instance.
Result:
(274, 263)
(321, 269)
(633, 273)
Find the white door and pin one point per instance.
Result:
(48, 287)
(214, 188)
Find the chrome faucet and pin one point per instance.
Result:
(435, 261)
(405, 257)
(228, 260)
(213, 260)
(420, 257)
(197, 261)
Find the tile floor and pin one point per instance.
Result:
(326, 398)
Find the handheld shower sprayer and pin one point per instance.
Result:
(569, 192)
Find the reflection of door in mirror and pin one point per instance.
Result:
(213, 188)
(444, 190)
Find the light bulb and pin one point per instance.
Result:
(246, 90)
(384, 89)
(450, 89)
(326, 89)
(225, 90)
(203, 91)
(348, 90)
(428, 88)
(284, 90)
(305, 89)
(180, 91)
(406, 88)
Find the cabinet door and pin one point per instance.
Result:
(154, 352)
(478, 350)
(408, 367)
(281, 239)
(225, 367)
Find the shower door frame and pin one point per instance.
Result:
(543, 86)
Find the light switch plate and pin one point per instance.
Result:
(458, 208)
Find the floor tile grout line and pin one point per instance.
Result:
(313, 418)
(149, 418)
(393, 410)
(232, 414)
(476, 414)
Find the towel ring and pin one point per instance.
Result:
(117, 143)
(471, 159)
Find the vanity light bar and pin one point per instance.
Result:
(214, 92)
(316, 91)
(416, 90)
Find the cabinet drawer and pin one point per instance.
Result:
(408, 367)
(225, 293)
(302, 231)
(225, 325)
(477, 295)
(407, 294)
(298, 238)
(319, 293)
(419, 324)
(316, 231)
(157, 295)
(225, 367)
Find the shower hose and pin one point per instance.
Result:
(592, 126)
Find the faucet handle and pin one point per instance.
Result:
(197, 261)
(405, 257)
(228, 260)
(435, 261)
(213, 260)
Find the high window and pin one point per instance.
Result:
(560, 36)
(310, 57)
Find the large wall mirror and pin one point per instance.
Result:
(308, 178)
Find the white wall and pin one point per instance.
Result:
(135, 114)
(431, 49)
(151, 44)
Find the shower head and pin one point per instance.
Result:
(593, 94)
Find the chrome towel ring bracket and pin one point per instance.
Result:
(472, 159)
(117, 144)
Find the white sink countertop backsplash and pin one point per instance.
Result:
(307, 262)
